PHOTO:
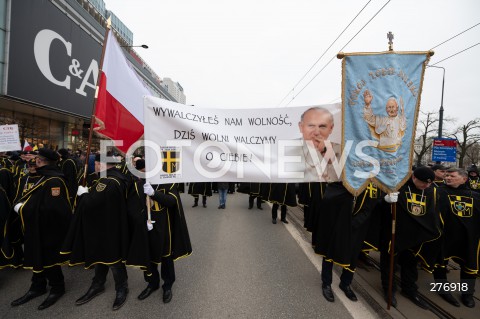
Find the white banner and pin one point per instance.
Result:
(9, 138)
(190, 144)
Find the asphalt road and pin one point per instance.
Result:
(242, 266)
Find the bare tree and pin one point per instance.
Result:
(427, 127)
(473, 155)
(467, 137)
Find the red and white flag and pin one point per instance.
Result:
(119, 106)
(27, 146)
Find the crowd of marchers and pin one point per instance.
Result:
(58, 211)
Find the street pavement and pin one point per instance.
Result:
(242, 266)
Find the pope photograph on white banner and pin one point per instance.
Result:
(192, 144)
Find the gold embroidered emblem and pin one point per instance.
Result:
(462, 206)
(474, 184)
(416, 204)
(372, 189)
(55, 191)
(100, 187)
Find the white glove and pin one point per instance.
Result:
(149, 226)
(17, 207)
(148, 189)
(82, 190)
(391, 198)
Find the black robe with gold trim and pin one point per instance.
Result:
(474, 183)
(279, 193)
(169, 236)
(196, 189)
(44, 219)
(99, 232)
(461, 232)
(418, 222)
(342, 225)
(310, 195)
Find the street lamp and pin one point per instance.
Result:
(135, 46)
(440, 118)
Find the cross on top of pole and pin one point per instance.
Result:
(390, 40)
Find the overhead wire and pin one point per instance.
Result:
(456, 54)
(339, 50)
(306, 73)
(455, 36)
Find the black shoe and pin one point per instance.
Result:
(328, 293)
(120, 298)
(220, 207)
(450, 299)
(415, 298)
(348, 292)
(223, 206)
(27, 297)
(195, 205)
(146, 292)
(468, 300)
(260, 207)
(167, 295)
(92, 292)
(205, 205)
(393, 302)
(51, 300)
(284, 221)
(274, 220)
(250, 207)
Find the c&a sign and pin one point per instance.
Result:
(52, 61)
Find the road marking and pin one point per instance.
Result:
(359, 309)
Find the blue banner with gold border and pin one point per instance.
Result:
(380, 103)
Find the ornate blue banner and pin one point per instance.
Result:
(380, 103)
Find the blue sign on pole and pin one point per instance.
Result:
(444, 150)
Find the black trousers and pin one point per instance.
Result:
(440, 273)
(408, 270)
(251, 199)
(54, 275)
(283, 211)
(168, 274)
(327, 269)
(204, 199)
(119, 272)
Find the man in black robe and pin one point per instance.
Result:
(417, 222)
(280, 195)
(168, 238)
(341, 227)
(197, 189)
(461, 235)
(45, 212)
(99, 235)
(473, 178)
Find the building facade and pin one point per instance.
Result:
(49, 64)
(175, 90)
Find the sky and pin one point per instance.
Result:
(252, 53)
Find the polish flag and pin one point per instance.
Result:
(119, 106)
(26, 146)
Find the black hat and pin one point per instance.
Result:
(139, 164)
(63, 152)
(425, 174)
(438, 166)
(49, 154)
(472, 168)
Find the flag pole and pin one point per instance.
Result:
(92, 118)
(393, 207)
